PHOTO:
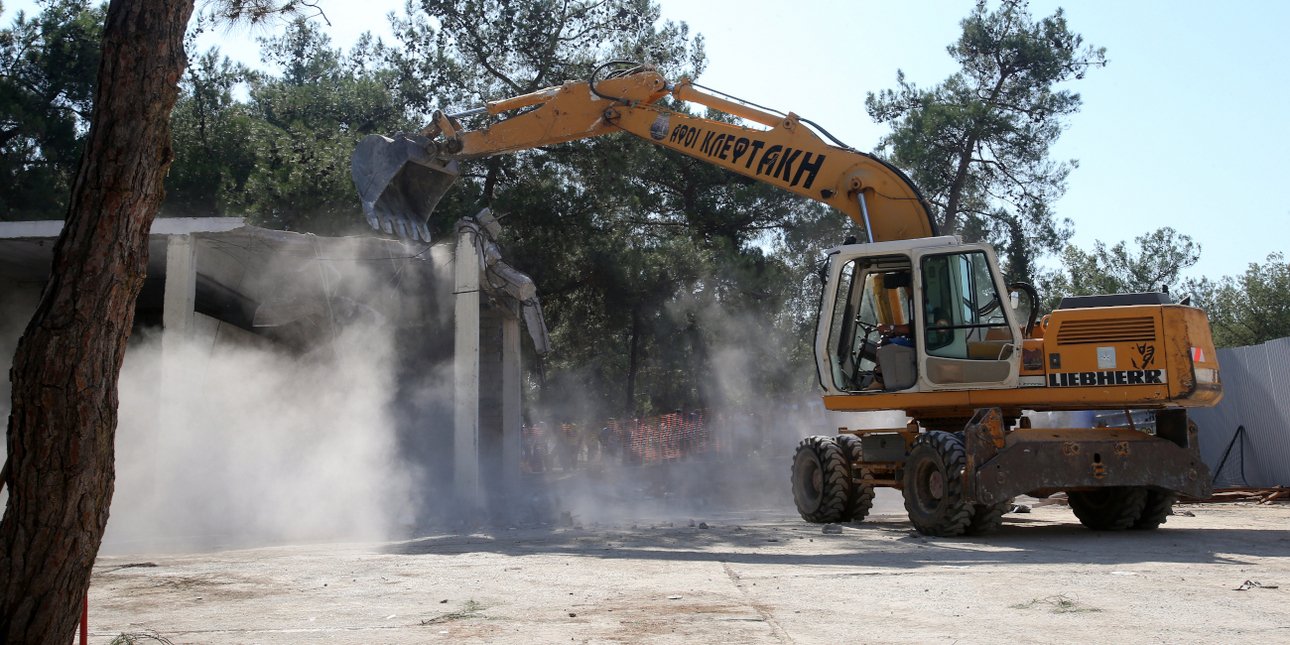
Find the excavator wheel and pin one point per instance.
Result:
(821, 480)
(1159, 504)
(987, 518)
(933, 485)
(1113, 508)
(860, 497)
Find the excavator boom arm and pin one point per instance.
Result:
(786, 153)
(790, 156)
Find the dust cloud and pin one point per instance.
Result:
(748, 475)
(231, 444)
(228, 438)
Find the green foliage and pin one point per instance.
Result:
(1156, 264)
(255, 12)
(310, 119)
(504, 48)
(652, 265)
(211, 134)
(48, 66)
(666, 281)
(281, 158)
(1251, 308)
(978, 143)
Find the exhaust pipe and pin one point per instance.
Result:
(400, 181)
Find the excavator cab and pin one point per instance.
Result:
(916, 316)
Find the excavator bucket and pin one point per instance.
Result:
(400, 182)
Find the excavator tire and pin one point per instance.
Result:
(821, 480)
(860, 497)
(1159, 504)
(987, 518)
(933, 485)
(1114, 508)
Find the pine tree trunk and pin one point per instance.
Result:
(63, 422)
(633, 361)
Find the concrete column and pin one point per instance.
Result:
(466, 370)
(177, 317)
(511, 417)
(181, 286)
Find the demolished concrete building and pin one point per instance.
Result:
(228, 283)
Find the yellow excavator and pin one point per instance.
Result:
(909, 320)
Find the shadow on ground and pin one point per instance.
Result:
(652, 513)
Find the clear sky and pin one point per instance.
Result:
(1185, 127)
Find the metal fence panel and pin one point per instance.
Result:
(1256, 396)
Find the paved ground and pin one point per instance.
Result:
(755, 577)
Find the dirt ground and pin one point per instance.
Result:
(1212, 574)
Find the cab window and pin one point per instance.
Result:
(870, 292)
(964, 315)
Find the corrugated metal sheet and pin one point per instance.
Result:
(1256, 396)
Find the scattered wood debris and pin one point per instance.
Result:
(1259, 495)
(1254, 584)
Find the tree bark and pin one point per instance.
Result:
(633, 360)
(951, 225)
(63, 423)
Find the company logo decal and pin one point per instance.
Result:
(789, 165)
(1106, 377)
(1146, 356)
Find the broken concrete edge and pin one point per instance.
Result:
(512, 283)
(498, 278)
(160, 226)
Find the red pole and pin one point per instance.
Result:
(85, 621)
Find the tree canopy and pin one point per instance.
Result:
(1250, 308)
(978, 143)
(48, 64)
(1156, 264)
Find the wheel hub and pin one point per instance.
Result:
(936, 485)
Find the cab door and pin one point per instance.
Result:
(969, 337)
